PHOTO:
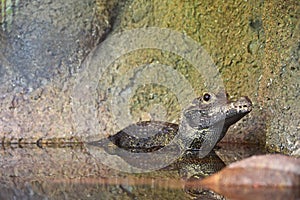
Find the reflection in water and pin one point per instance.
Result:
(194, 169)
(72, 173)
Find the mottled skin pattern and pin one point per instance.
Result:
(199, 119)
(156, 135)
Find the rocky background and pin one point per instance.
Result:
(43, 45)
(255, 45)
(46, 45)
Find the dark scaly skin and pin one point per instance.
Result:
(153, 135)
(199, 119)
(162, 134)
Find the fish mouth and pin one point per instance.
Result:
(233, 119)
(237, 110)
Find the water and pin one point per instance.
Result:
(73, 172)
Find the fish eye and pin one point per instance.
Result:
(206, 97)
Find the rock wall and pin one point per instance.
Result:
(233, 35)
(255, 45)
(280, 88)
(42, 46)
